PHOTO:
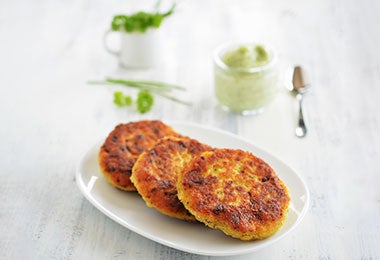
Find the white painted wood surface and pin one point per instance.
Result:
(49, 117)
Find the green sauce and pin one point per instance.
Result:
(245, 78)
(246, 57)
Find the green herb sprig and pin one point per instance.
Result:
(145, 99)
(140, 21)
(121, 100)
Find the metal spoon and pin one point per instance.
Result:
(300, 88)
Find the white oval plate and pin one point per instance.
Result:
(129, 210)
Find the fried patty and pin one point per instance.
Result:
(236, 192)
(124, 144)
(155, 174)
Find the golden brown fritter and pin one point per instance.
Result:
(155, 174)
(236, 192)
(124, 144)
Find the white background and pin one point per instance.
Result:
(50, 117)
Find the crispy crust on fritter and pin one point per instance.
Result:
(155, 174)
(124, 144)
(236, 192)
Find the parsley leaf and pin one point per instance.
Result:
(144, 101)
(159, 88)
(118, 22)
(139, 22)
(121, 100)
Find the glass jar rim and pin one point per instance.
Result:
(231, 45)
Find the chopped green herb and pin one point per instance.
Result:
(261, 53)
(142, 84)
(144, 101)
(158, 88)
(145, 97)
(121, 100)
(139, 22)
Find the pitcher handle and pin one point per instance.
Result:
(108, 49)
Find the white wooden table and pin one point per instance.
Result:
(50, 117)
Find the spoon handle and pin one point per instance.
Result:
(301, 129)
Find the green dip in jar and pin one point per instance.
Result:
(246, 77)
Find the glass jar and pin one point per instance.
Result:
(245, 90)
